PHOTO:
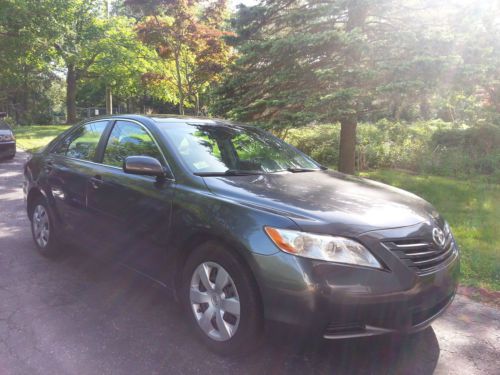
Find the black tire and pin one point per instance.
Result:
(52, 248)
(249, 330)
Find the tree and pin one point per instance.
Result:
(74, 34)
(330, 61)
(122, 62)
(474, 91)
(89, 44)
(26, 76)
(190, 37)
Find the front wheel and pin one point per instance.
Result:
(222, 300)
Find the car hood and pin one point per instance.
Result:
(327, 201)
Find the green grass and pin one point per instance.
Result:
(472, 208)
(31, 138)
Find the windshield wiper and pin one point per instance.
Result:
(297, 170)
(229, 172)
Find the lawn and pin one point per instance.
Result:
(471, 206)
(31, 138)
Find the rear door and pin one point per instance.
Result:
(132, 212)
(67, 169)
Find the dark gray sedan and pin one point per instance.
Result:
(7, 140)
(243, 228)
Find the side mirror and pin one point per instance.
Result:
(144, 165)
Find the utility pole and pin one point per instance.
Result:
(109, 92)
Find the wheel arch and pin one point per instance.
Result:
(33, 194)
(186, 248)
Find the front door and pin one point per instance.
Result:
(133, 212)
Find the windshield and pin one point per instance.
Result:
(213, 149)
(4, 126)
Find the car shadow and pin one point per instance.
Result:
(129, 305)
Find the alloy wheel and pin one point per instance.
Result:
(215, 301)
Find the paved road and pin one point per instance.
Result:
(80, 315)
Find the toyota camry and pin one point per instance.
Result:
(243, 228)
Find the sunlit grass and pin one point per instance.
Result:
(31, 138)
(472, 207)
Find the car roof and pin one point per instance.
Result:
(162, 119)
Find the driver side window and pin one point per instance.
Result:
(129, 139)
(82, 143)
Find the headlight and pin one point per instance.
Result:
(446, 228)
(447, 232)
(316, 246)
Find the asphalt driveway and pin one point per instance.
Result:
(81, 315)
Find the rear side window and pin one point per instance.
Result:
(129, 139)
(82, 143)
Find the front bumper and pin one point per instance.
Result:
(7, 149)
(340, 301)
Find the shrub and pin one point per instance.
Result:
(434, 147)
(467, 151)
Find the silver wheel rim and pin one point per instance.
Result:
(215, 301)
(41, 229)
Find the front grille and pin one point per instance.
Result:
(6, 138)
(421, 255)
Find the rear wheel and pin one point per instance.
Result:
(222, 300)
(42, 229)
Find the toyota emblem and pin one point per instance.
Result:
(438, 237)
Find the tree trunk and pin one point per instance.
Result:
(357, 11)
(24, 102)
(181, 105)
(197, 99)
(109, 101)
(347, 156)
(71, 95)
(179, 83)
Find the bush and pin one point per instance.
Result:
(435, 147)
(320, 142)
(460, 152)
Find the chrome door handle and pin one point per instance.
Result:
(48, 167)
(96, 182)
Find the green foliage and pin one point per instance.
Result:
(27, 78)
(434, 147)
(123, 61)
(354, 61)
(90, 45)
(40, 41)
(461, 152)
(472, 207)
(326, 61)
